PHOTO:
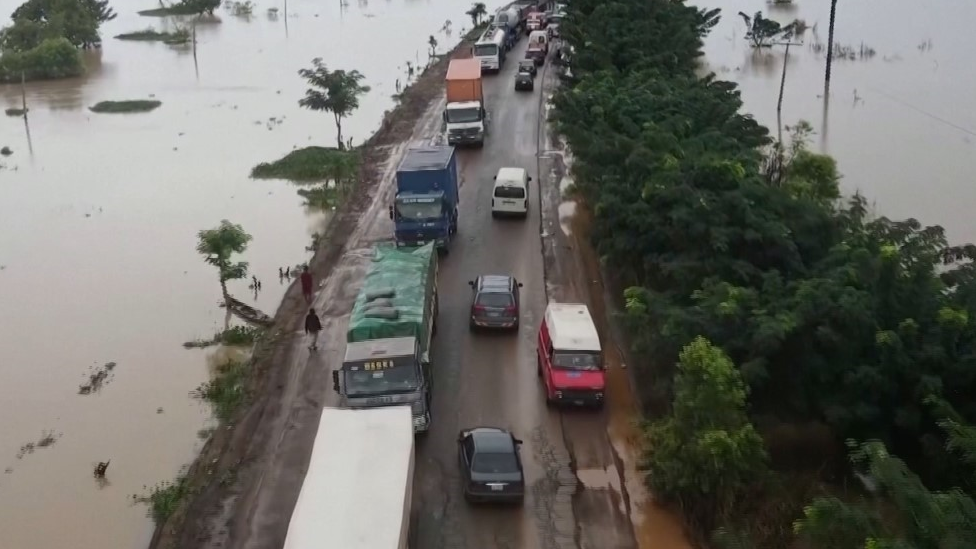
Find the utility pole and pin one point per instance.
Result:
(830, 47)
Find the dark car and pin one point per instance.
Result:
(495, 303)
(527, 65)
(491, 467)
(524, 81)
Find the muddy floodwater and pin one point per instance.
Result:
(98, 222)
(902, 114)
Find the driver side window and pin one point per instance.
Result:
(468, 446)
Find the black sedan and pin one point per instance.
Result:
(524, 81)
(527, 65)
(491, 467)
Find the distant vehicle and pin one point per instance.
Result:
(536, 52)
(570, 358)
(527, 65)
(536, 21)
(490, 51)
(491, 465)
(358, 496)
(495, 302)
(553, 27)
(540, 37)
(510, 195)
(524, 81)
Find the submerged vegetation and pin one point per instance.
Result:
(311, 164)
(165, 498)
(132, 105)
(15, 112)
(179, 36)
(227, 391)
(238, 336)
(184, 7)
(44, 39)
(803, 329)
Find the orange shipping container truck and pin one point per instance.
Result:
(465, 115)
(464, 80)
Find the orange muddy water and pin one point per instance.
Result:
(99, 281)
(902, 114)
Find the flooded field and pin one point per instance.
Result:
(100, 283)
(902, 115)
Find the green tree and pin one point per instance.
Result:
(477, 12)
(903, 514)
(200, 7)
(75, 20)
(218, 245)
(336, 92)
(100, 10)
(763, 32)
(706, 453)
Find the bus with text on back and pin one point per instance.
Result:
(490, 51)
(570, 357)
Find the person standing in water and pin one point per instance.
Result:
(312, 328)
(307, 284)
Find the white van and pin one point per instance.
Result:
(510, 195)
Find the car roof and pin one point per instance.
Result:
(491, 439)
(510, 175)
(495, 283)
(571, 327)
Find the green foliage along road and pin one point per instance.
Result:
(841, 324)
(43, 41)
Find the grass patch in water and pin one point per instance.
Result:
(227, 390)
(180, 36)
(15, 112)
(311, 164)
(132, 105)
(240, 336)
(175, 9)
(164, 498)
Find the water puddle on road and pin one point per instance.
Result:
(99, 215)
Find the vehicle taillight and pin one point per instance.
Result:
(478, 308)
(510, 310)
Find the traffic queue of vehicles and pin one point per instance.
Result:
(358, 495)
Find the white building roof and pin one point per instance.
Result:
(571, 327)
(356, 493)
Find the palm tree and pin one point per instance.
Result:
(336, 91)
(477, 11)
(218, 245)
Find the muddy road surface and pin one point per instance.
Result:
(98, 222)
(901, 120)
(577, 490)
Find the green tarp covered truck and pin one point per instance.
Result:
(387, 360)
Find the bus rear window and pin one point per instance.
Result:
(484, 50)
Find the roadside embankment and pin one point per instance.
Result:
(211, 480)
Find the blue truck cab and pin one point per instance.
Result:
(425, 208)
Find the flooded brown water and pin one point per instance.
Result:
(901, 123)
(98, 222)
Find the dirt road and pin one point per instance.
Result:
(479, 378)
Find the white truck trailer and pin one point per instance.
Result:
(356, 493)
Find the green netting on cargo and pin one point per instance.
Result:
(400, 280)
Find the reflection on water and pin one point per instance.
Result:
(902, 115)
(97, 237)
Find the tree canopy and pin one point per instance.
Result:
(218, 245)
(337, 92)
(833, 316)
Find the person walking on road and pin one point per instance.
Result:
(312, 328)
(307, 284)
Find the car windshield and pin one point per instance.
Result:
(494, 462)
(494, 300)
(419, 211)
(401, 379)
(461, 116)
(485, 50)
(509, 192)
(578, 360)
